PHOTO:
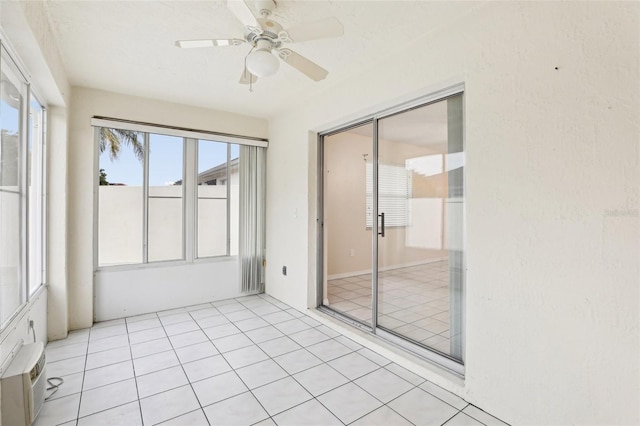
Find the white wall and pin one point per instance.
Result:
(122, 293)
(86, 103)
(120, 223)
(551, 105)
(138, 289)
(18, 332)
(56, 255)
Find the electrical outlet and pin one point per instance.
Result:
(284, 270)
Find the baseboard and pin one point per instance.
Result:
(386, 268)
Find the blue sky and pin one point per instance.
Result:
(8, 117)
(165, 161)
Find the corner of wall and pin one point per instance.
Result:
(312, 200)
(57, 312)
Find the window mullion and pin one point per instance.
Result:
(23, 185)
(190, 192)
(43, 194)
(228, 200)
(145, 202)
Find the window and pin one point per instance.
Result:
(121, 197)
(164, 198)
(394, 193)
(213, 196)
(12, 90)
(165, 202)
(36, 185)
(21, 190)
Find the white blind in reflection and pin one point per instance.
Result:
(394, 192)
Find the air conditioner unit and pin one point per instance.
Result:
(23, 386)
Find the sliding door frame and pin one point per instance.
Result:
(446, 362)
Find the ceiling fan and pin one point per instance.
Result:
(268, 38)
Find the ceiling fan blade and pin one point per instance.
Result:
(241, 11)
(247, 77)
(324, 28)
(312, 70)
(188, 44)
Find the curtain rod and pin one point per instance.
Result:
(100, 121)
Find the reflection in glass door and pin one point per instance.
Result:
(347, 216)
(392, 226)
(420, 164)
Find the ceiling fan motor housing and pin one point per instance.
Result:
(265, 7)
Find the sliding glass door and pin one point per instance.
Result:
(420, 198)
(393, 194)
(347, 215)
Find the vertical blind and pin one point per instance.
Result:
(252, 214)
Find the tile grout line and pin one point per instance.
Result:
(101, 386)
(313, 397)
(269, 416)
(268, 358)
(241, 332)
(356, 384)
(133, 367)
(181, 366)
(219, 353)
(311, 324)
(190, 383)
(86, 360)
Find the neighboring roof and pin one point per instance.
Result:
(216, 172)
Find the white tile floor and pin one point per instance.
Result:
(412, 301)
(245, 361)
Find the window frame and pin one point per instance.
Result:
(147, 197)
(197, 198)
(28, 292)
(191, 139)
(40, 197)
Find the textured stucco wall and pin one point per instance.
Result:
(553, 230)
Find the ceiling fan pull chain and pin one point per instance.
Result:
(247, 71)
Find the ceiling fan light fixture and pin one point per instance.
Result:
(262, 63)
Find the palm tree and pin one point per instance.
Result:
(103, 177)
(112, 140)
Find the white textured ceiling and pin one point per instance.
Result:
(128, 47)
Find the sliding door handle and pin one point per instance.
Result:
(381, 233)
